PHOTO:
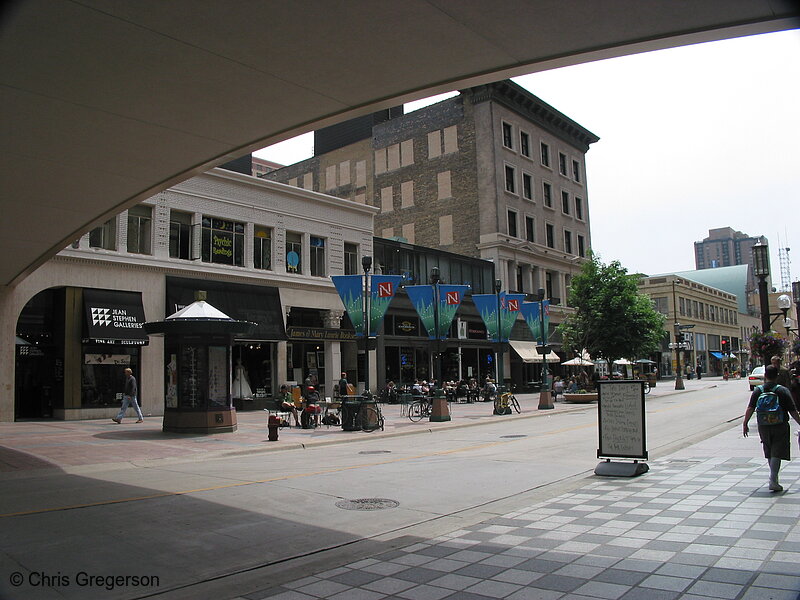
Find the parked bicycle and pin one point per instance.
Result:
(419, 409)
(504, 402)
(370, 417)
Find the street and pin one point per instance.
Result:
(228, 520)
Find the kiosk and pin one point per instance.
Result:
(197, 351)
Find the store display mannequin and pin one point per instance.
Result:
(241, 386)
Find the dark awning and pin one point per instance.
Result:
(113, 317)
(241, 302)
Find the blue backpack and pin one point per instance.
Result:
(768, 408)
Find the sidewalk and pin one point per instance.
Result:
(701, 524)
(68, 445)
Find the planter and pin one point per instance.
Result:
(580, 398)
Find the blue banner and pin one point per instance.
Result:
(351, 292)
(450, 297)
(487, 305)
(421, 297)
(384, 288)
(530, 312)
(509, 310)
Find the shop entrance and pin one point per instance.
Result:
(253, 380)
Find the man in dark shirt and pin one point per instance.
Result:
(129, 398)
(774, 438)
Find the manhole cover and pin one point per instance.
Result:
(514, 436)
(375, 452)
(367, 504)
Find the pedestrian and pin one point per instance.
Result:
(699, 371)
(774, 437)
(129, 398)
(343, 391)
(784, 378)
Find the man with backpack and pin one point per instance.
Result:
(772, 404)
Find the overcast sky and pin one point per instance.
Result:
(691, 139)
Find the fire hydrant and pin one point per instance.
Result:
(273, 424)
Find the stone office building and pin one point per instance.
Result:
(493, 173)
(263, 252)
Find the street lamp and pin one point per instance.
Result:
(761, 270)
(545, 398)
(499, 373)
(435, 278)
(366, 264)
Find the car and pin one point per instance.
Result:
(756, 377)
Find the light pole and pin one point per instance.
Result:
(545, 398)
(499, 374)
(761, 270)
(366, 264)
(437, 355)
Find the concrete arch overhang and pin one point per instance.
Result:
(107, 102)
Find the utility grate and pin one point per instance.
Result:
(367, 504)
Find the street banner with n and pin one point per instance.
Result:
(384, 288)
(450, 297)
(351, 292)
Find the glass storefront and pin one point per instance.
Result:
(102, 374)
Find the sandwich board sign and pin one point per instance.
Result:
(621, 428)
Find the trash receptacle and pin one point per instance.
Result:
(350, 408)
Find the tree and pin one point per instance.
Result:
(612, 319)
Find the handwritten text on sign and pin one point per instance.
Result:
(621, 420)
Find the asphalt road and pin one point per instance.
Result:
(221, 527)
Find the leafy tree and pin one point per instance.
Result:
(613, 319)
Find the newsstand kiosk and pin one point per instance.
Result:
(197, 351)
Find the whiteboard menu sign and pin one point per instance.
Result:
(621, 420)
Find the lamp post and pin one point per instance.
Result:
(499, 374)
(437, 355)
(366, 264)
(761, 270)
(545, 398)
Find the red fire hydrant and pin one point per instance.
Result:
(273, 424)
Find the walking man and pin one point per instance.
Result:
(774, 437)
(129, 398)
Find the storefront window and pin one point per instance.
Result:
(294, 252)
(262, 248)
(317, 258)
(102, 374)
(105, 236)
(180, 238)
(223, 242)
(140, 227)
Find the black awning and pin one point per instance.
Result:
(113, 317)
(241, 302)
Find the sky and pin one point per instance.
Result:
(691, 139)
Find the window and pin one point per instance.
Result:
(548, 284)
(222, 241)
(527, 186)
(507, 136)
(550, 234)
(545, 152)
(581, 246)
(661, 305)
(524, 144)
(529, 229)
(547, 194)
(262, 247)
(512, 223)
(576, 171)
(350, 259)
(567, 241)
(579, 208)
(140, 228)
(510, 176)
(682, 304)
(294, 252)
(105, 236)
(562, 163)
(180, 234)
(317, 258)
(565, 202)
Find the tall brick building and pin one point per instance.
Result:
(494, 173)
(725, 247)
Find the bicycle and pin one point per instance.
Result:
(418, 410)
(504, 402)
(370, 417)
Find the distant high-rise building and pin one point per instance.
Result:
(725, 247)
